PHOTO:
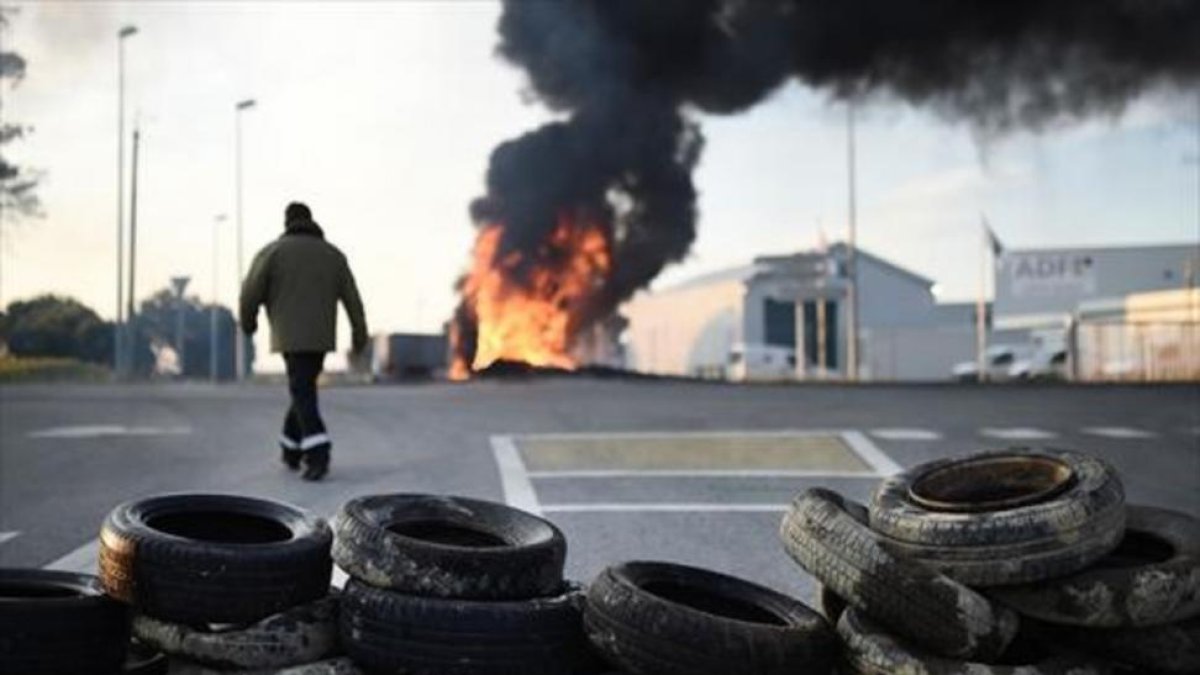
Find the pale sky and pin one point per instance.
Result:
(381, 116)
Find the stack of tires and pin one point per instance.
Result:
(225, 584)
(60, 623)
(1139, 606)
(448, 585)
(653, 618)
(966, 565)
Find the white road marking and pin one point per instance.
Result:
(906, 434)
(514, 477)
(1017, 433)
(724, 433)
(107, 430)
(664, 508)
(872, 455)
(8, 536)
(85, 559)
(339, 577)
(1119, 432)
(698, 473)
(868, 452)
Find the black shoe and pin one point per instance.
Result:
(315, 471)
(291, 458)
(316, 463)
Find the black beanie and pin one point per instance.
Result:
(297, 211)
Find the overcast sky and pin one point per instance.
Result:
(381, 116)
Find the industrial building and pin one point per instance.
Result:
(1122, 313)
(1044, 288)
(785, 317)
(1113, 313)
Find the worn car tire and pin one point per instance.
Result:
(296, 636)
(934, 611)
(1171, 649)
(335, 666)
(144, 660)
(203, 559)
(869, 650)
(1152, 578)
(388, 632)
(651, 618)
(449, 547)
(59, 623)
(1004, 517)
(831, 604)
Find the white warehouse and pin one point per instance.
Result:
(785, 317)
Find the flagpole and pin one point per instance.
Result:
(851, 251)
(981, 307)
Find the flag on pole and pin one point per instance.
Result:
(993, 240)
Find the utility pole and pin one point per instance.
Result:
(852, 252)
(212, 310)
(981, 308)
(118, 326)
(239, 338)
(131, 347)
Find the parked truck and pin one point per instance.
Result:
(407, 356)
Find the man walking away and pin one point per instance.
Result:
(300, 278)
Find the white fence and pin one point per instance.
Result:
(1143, 351)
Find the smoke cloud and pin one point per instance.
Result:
(629, 74)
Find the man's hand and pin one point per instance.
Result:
(250, 328)
(358, 343)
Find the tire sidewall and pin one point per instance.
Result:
(1095, 491)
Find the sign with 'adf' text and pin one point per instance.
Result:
(1050, 274)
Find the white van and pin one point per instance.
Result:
(761, 362)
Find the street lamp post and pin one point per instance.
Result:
(240, 339)
(852, 251)
(118, 329)
(212, 310)
(131, 343)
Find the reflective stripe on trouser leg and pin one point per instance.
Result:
(315, 440)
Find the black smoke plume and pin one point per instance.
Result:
(629, 74)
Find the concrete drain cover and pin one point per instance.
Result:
(758, 452)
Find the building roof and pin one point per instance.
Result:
(1168, 246)
(739, 273)
(766, 262)
(841, 249)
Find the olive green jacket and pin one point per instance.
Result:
(300, 278)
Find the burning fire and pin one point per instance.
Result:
(531, 315)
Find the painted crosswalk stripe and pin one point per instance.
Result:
(106, 430)
(85, 559)
(8, 536)
(664, 508)
(1119, 432)
(339, 577)
(1017, 433)
(906, 434)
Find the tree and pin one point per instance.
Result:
(51, 325)
(18, 195)
(156, 325)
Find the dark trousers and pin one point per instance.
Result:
(303, 428)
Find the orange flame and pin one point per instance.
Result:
(533, 320)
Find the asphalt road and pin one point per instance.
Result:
(68, 454)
